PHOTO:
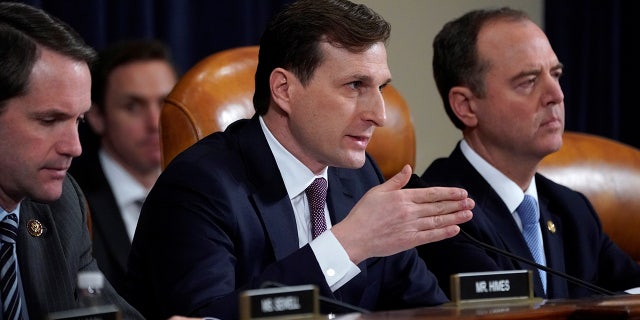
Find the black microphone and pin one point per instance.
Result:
(563, 275)
(417, 182)
(333, 304)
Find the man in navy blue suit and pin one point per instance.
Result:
(230, 213)
(499, 80)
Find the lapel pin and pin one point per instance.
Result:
(551, 226)
(35, 228)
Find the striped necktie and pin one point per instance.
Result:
(9, 290)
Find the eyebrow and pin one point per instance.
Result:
(137, 97)
(367, 78)
(535, 71)
(52, 113)
(559, 65)
(526, 73)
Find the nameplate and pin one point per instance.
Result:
(106, 312)
(497, 285)
(293, 302)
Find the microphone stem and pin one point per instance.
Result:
(539, 266)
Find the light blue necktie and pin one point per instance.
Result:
(530, 217)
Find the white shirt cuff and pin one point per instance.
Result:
(334, 261)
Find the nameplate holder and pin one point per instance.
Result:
(105, 312)
(291, 302)
(498, 286)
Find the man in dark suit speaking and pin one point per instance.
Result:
(231, 212)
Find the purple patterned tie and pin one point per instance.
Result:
(317, 196)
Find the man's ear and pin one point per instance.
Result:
(280, 83)
(96, 120)
(463, 105)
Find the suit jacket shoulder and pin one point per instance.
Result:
(50, 262)
(576, 245)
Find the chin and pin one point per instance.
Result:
(556, 144)
(354, 163)
(49, 194)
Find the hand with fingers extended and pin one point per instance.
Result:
(390, 219)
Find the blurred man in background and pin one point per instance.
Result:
(130, 81)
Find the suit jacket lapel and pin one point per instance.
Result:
(499, 216)
(106, 217)
(506, 228)
(553, 243)
(279, 221)
(491, 206)
(40, 258)
(340, 200)
(270, 199)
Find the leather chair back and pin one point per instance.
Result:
(608, 173)
(219, 90)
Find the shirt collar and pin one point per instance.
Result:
(4, 213)
(296, 176)
(506, 189)
(125, 188)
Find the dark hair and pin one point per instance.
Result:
(455, 53)
(291, 41)
(121, 53)
(24, 30)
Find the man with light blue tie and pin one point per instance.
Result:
(499, 80)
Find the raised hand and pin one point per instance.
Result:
(389, 219)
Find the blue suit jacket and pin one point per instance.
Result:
(578, 246)
(219, 221)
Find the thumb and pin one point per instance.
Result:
(398, 181)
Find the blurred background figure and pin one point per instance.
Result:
(121, 158)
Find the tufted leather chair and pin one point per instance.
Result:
(608, 173)
(219, 90)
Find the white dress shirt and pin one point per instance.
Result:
(127, 191)
(333, 259)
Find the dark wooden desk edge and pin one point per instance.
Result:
(610, 308)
